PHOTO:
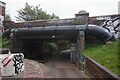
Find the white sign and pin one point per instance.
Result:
(12, 64)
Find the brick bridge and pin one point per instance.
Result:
(28, 38)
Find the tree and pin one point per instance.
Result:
(7, 17)
(29, 13)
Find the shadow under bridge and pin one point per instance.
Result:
(30, 40)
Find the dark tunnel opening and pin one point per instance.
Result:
(31, 41)
(33, 48)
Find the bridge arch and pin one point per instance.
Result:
(29, 40)
(24, 39)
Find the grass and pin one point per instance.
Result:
(105, 55)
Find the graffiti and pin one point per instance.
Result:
(103, 18)
(82, 60)
(6, 60)
(73, 52)
(109, 25)
(18, 63)
(7, 63)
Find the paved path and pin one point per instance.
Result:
(61, 67)
(58, 67)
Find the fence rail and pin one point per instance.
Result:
(95, 70)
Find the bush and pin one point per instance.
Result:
(5, 43)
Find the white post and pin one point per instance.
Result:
(0, 71)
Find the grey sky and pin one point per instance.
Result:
(66, 8)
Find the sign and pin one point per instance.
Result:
(12, 64)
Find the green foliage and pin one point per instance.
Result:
(29, 13)
(63, 45)
(119, 56)
(105, 55)
(7, 17)
(49, 46)
(52, 46)
(5, 43)
(50, 49)
(0, 45)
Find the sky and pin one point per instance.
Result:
(65, 8)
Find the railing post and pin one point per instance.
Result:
(73, 53)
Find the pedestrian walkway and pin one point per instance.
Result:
(58, 67)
